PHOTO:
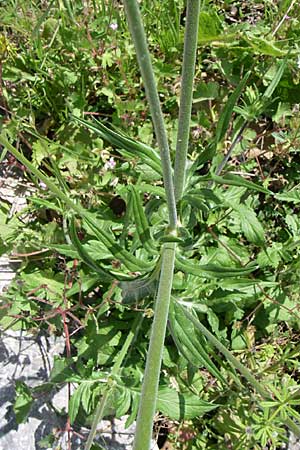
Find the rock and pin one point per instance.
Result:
(29, 358)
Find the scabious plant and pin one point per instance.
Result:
(160, 259)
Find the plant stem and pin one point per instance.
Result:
(294, 428)
(138, 35)
(115, 370)
(237, 139)
(97, 417)
(186, 95)
(147, 404)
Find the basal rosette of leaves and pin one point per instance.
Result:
(237, 245)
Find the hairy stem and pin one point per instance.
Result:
(152, 372)
(186, 95)
(145, 65)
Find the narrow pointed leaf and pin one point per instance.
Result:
(212, 270)
(226, 114)
(275, 81)
(236, 180)
(85, 257)
(141, 222)
(75, 402)
(190, 342)
(129, 260)
(136, 149)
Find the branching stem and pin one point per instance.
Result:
(143, 56)
(186, 95)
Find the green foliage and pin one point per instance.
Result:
(237, 260)
(23, 402)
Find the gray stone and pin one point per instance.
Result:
(29, 358)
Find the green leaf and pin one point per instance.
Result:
(83, 254)
(206, 91)
(250, 225)
(74, 403)
(62, 372)
(121, 401)
(88, 282)
(244, 284)
(130, 261)
(236, 180)
(133, 148)
(23, 402)
(178, 406)
(141, 222)
(226, 113)
(205, 194)
(97, 250)
(134, 409)
(190, 343)
(209, 26)
(197, 202)
(212, 270)
(265, 46)
(275, 80)
(292, 196)
(97, 447)
(134, 291)
(46, 204)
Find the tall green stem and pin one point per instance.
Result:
(154, 357)
(145, 65)
(186, 95)
(151, 377)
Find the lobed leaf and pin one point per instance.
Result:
(179, 406)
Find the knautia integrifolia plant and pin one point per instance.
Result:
(160, 253)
